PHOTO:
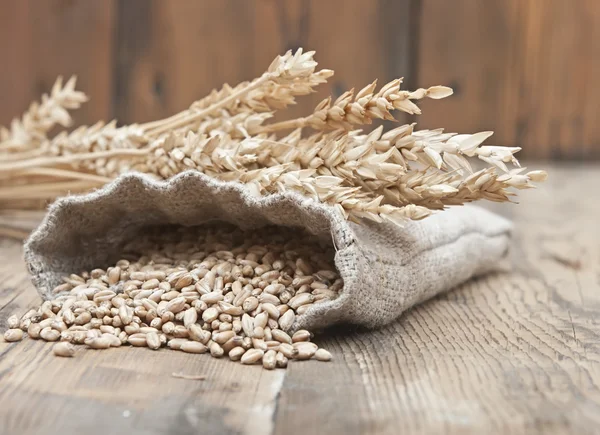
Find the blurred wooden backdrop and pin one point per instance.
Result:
(527, 69)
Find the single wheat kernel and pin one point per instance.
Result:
(252, 356)
(235, 341)
(193, 347)
(49, 334)
(300, 299)
(281, 360)
(247, 324)
(68, 317)
(210, 315)
(175, 343)
(98, 343)
(281, 336)
(273, 344)
(176, 305)
(305, 349)
(269, 360)
(215, 350)
(64, 348)
(107, 329)
(223, 337)
(190, 317)
(34, 330)
(152, 340)
(301, 335)
(138, 340)
(286, 320)
(322, 355)
(14, 334)
(236, 353)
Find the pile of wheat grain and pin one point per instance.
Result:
(382, 176)
(213, 289)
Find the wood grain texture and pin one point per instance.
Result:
(510, 353)
(523, 68)
(172, 53)
(41, 40)
(361, 41)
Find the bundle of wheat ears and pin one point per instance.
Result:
(391, 175)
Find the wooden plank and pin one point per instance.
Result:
(172, 53)
(361, 41)
(517, 352)
(122, 392)
(13, 80)
(510, 353)
(523, 68)
(41, 40)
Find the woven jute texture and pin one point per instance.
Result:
(386, 269)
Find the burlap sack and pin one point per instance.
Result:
(386, 269)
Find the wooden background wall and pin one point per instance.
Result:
(527, 69)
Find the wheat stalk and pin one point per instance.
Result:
(349, 110)
(40, 118)
(284, 70)
(393, 175)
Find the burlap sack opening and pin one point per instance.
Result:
(386, 269)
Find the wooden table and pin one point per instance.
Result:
(516, 352)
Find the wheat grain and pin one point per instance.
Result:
(14, 334)
(64, 349)
(152, 297)
(305, 350)
(252, 356)
(281, 360)
(216, 351)
(152, 340)
(236, 353)
(49, 334)
(269, 360)
(98, 343)
(301, 335)
(322, 355)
